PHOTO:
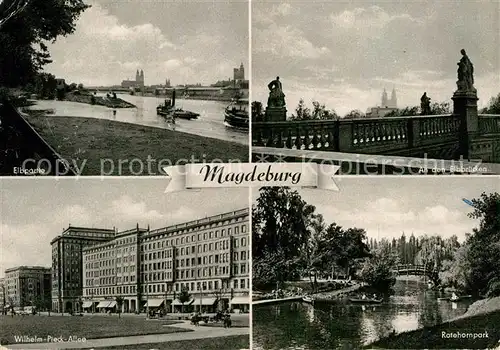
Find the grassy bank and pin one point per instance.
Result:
(98, 146)
(89, 327)
(233, 342)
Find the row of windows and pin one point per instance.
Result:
(161, 288)
(192, 238)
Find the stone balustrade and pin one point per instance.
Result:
(489, 124)
(374, 135)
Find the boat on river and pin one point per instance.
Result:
(236, 114)
(365, 301)
(168, 110)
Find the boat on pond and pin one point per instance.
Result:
(455, 298)
(236, 114)
(365, 301)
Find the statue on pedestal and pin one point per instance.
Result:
(276, 95)
(425, 104)
(465, 74)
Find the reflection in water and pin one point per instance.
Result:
(344, 325)
(209, 124)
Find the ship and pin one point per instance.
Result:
(236, 114)
(168, 110)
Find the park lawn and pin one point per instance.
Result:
(233, 342)
(432, 337)
(104, 143)
(90, 327)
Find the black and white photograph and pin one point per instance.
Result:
(119, 264)
(115, 87)
(385, 84)
(384, 263)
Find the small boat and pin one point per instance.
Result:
(168, 110)
(365, 301)
(236, 114)
(308, 299)
(456, 298)
(180, 113)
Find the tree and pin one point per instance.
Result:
(23, 37)
(119, 303)
(354, 114)
(493, 106)
(319, 112)
(257, 111)
(440, 108)
(484, 250)
(184, 297)
(379, 270)
(281, 221)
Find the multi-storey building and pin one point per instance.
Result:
(27, 285)
(206, 261)
(3, 294)
(67, 279)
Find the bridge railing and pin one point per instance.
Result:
(489, 124)
(373, 135)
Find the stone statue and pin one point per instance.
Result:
(465, 74)
(425, 104)
(276, 95)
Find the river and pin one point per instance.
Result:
(343, 325)
(209, 124)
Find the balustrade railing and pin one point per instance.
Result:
(489, 123)
(357, 135)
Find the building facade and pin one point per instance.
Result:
(198, 265)
(387, 106)
(137, 83)
(27, 286)
(67, 278)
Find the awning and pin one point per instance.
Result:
(112, 304)
(240, 301)
(154, 303)
(177, 302)
(103, 304)
(87, 304)
(205, 301)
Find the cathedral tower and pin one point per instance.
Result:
(384, 99)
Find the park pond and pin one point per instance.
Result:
(296, 325)
(209, 124)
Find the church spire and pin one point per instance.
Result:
(394, 100)
(384, 99)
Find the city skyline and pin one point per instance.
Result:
(344, 54)
(388, 206)
(95, 203)
(185, 41)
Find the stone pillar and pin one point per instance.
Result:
(275, 114)
(465, 106)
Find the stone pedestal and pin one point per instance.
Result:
(465, 106)
(275, 114)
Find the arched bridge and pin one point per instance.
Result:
(410, 269)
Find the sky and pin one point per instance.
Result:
(388, 206)
(34, 211)
(187, 41)
(344, 53)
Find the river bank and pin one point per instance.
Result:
(99, 100)
(106, 147)
(475, 329)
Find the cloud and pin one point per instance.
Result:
(368, 21)
(286, 41)
(388, 218)
(105, 50)
(128, 210)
